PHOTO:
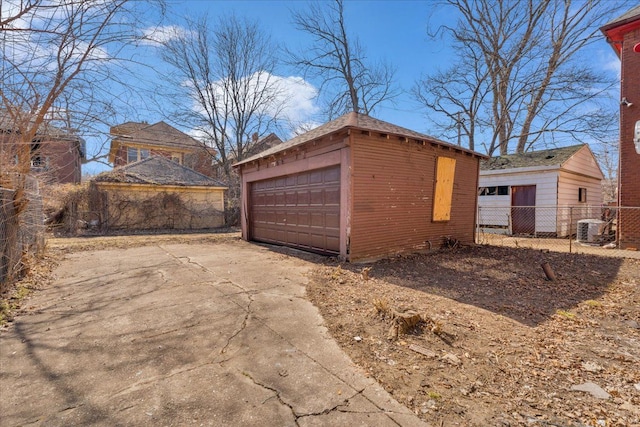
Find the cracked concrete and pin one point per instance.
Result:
(178, 335)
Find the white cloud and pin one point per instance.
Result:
(299, 98)
(157, 36)
(291, 99)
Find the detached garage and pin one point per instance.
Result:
(156, 194)
(360, 188)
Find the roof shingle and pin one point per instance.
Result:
(158, 133)
(157, 171)
(551, 157)
(350, 120)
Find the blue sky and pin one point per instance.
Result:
(391, 30)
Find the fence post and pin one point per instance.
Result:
(571, 227)
(477, 236)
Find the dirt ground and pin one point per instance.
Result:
(497, 344)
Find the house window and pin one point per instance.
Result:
(582, 195)
(132, 155)
(445, 173)
(501, 190)
(135, 154)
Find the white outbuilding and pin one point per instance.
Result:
(535, 193)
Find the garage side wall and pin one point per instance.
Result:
(146, 207)
(392, 190)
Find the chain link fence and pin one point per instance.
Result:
(600, 230)
(21, 230)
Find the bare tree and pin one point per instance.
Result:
(519, 80)
(226, 74)
(339, 61)
(458, 94)
(608, 153)
(57, 60)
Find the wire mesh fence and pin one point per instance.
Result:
(602, 230)
(21, 230)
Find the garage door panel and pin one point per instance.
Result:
(316, 177)
(304, 199)
(332, 220)
(316, 197)
(332, 175)
(302, 179)
(291, 198)
(332, 196)
(317, 219)
(294, 218)
(304, 219)
(301, 210)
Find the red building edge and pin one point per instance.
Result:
(54, 160)
(623, 34)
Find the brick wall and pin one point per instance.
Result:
(198, 160)
(629, 191)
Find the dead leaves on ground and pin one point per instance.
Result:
(486, 367)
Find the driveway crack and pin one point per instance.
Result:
(243, 325)
(276, 395)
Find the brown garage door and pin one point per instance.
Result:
(301, 210)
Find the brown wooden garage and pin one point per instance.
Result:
(300, 210)
(361, 188)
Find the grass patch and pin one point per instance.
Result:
(566, 314)
(434, 395)
(592, 303)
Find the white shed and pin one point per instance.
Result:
(531, 193)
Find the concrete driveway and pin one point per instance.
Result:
(187, 334)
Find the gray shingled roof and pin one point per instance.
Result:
(350, 121)
(158, 133)
(630, 15)
(157, 171)
(552, 157)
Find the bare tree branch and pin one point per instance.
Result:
(338, 60)
(530, 85)
(56, 60)
(227, 72)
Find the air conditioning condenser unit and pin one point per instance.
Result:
(588, 229)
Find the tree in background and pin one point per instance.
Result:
(338, 60)
(226, 74)
(518, 80)
(56, 60)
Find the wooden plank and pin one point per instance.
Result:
(423, 351)
(445, 174)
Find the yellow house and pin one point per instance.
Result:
(157, 194)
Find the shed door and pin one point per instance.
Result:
(301, 210)
(523, 211)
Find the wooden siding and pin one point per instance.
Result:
(568, 184)
(392, 197)
(546, 183)
(584, 163)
